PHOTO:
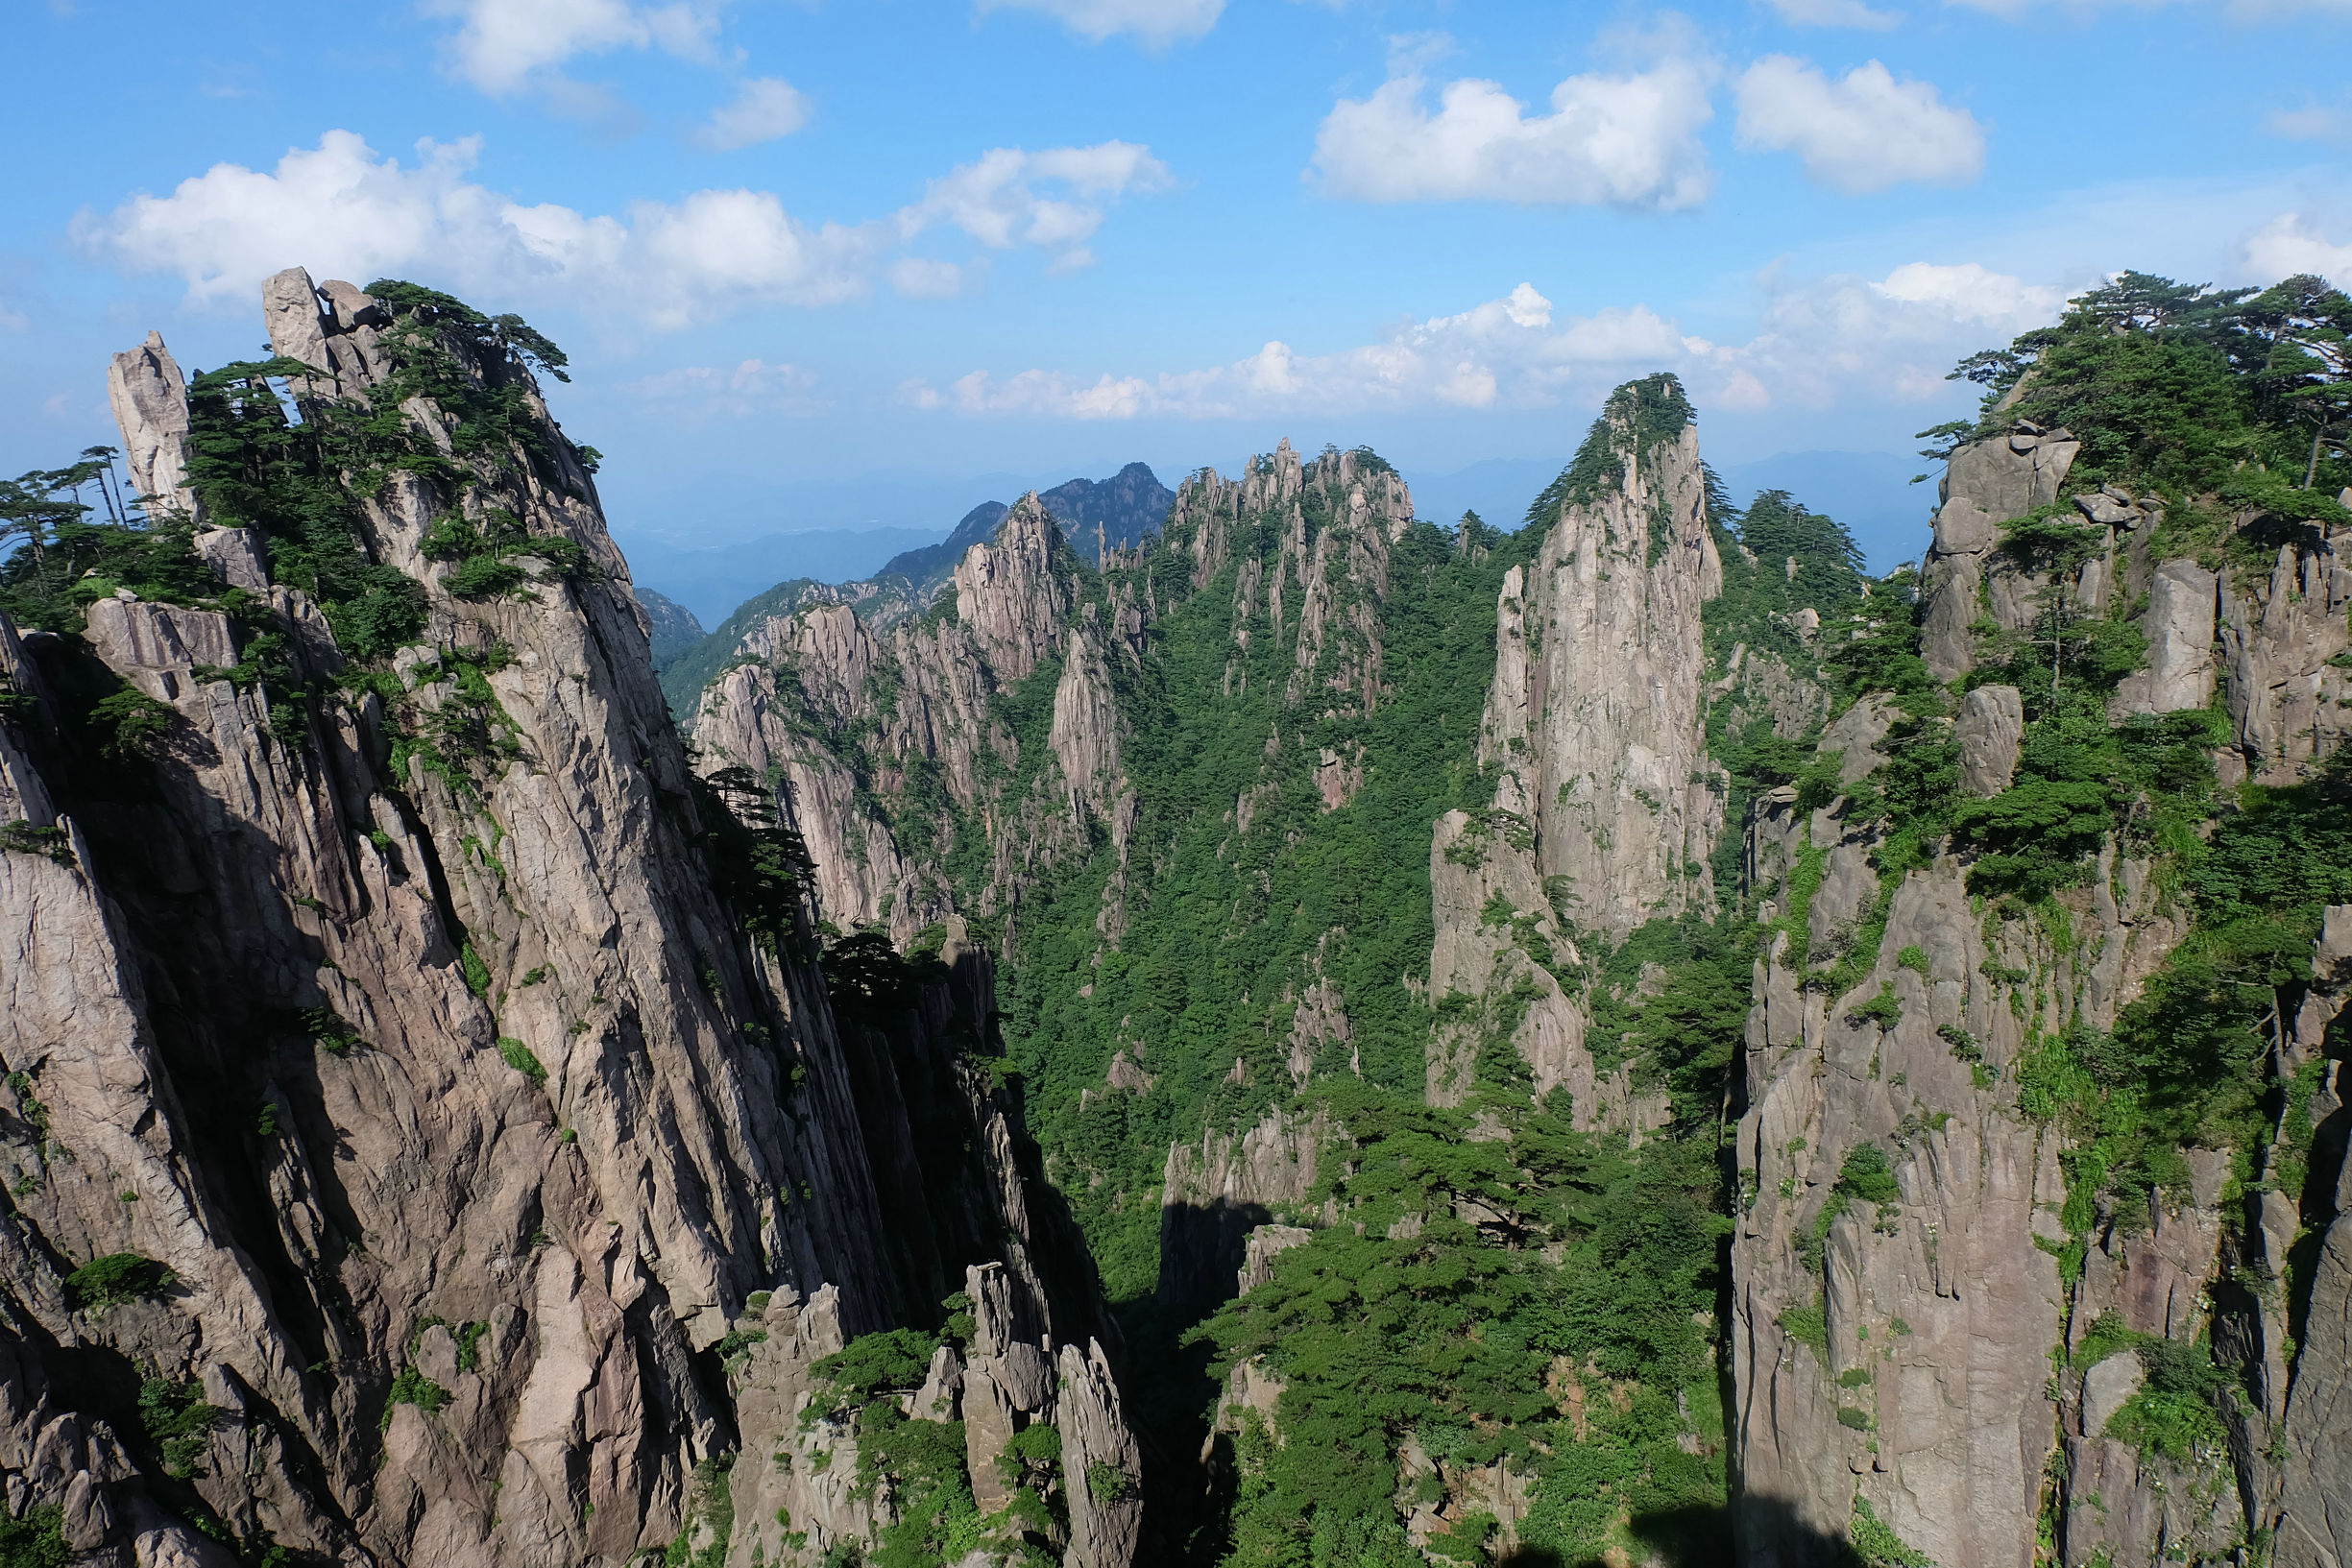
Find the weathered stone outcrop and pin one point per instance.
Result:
(1989, 732)
(400, 1025)
(1219, 1196)
(1606, 805)
(149, 397)
(1923, 1386)
(847, 716)
(2180, 624)
(1987, 483)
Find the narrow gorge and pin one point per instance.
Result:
(1308, 1036)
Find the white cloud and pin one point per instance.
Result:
(1155, 22)
(752, 387)
(2289, 244)
(340, 210)
(1506, 351)
(1628, 140)
(1834, 338)
(501, 45)
(1862, 133)
(998, 200)
(2312, 122)
(921, 278)
(1834, 13)
(1970, 292)
(765, 108)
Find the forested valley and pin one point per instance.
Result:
(1317, 1036)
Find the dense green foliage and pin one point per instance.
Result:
(1528, 1298)
(1637, 418)
(114, 1279)
(35, 1540)
(179, 1421)
(1240, 916)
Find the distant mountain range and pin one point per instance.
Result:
(709, 583)
(889, 571)
(1094, 513)
(1115, 511)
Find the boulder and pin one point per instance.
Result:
(1991, 730)
(290, 308)
(1962, 527)
(234, 555)
(2102, 508)
(1856, 733)
(2182, 605)
(2107, 1388)
(151, 404)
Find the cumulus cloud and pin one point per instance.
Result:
(2289, 244)
(998, 200)
(765, 108)
(1507, 350)
(1888, 338)
(1628, 140)
(1155, 22)
(500, 47)
(1860, 133)
(752, 387)
(344, 213)
(1834, 13)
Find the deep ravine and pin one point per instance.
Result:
(1298, 1036)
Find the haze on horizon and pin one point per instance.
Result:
(794, 247)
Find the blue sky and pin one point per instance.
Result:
(809, 240)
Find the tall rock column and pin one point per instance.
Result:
(1607, 805)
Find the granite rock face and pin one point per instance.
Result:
(150, 399)
(466, 1118)
(894, 741)
(1605, 809)
(1990, 731)
(1986, 485)
(1899, 1351)
(814, 682)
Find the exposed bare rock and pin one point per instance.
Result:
(1991, 730)
(1215, 1194)
(1605, 810)
(149, 397)
(2285, 698)
(1856, 736)
(2107, 1388)
(1950, 584)
(235, 555)
(1986, 484)
(2315, 1527)
(1594, 712)
(457, 1071)
(2180, 643)
(1008, 595)
(1942, 1297)
(1266, 1243)
(1101, 1461)
(1764, 686)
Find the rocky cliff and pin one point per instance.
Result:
(434, 1136)
(1606, 803)
(2039, 1254)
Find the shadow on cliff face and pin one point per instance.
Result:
(1202, 1246)
(1754, 1533)
(1187, 1499)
